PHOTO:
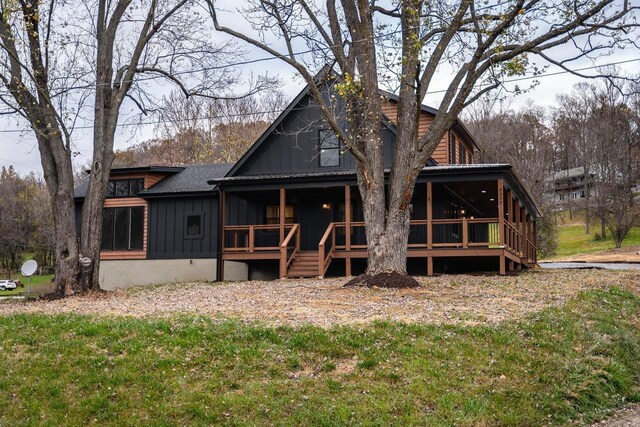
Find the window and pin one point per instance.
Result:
(193, 226)
(123, 229)
(125, 187)
(463, 154)
(272, 214)
(452, 148)
(329, 149)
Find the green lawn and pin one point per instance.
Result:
(40, 284)
(572, 240)
(569, 363)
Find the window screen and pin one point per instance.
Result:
(123, 229)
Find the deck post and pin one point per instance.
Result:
(523, 230)
(223, 205)
(429, 216)
(534, 235)
(347, 228)
(282, 213)
(501, 212)
(465, 233)
(508, 200)
(501, 225)
(429, 266)
(516, 219)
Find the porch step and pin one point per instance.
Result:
(304, 264)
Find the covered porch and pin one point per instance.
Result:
(303, 230)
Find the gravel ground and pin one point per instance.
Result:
(460, 299)
(628, 417)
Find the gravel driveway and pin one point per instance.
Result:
(461, 299)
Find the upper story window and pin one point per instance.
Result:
(125, 187)
(329, 149)
(463, 154)
(452, 148)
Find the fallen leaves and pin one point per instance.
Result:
(460, 299)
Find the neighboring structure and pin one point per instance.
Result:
(290, 208)
(569, 184)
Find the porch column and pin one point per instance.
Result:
(429, 228)
(501, 224)
(509, 205)
(347, 228)
(223, 207)
(283, 204)
(534, 236)
(516, 219)
(526, 233)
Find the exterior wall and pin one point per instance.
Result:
(293, 147)
(122, 274)
(441, 153)
(167, 227)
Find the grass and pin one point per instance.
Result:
(40, 284)
(572, 239)
(569, 363)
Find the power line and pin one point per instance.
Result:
(269, 58)
(257, 113)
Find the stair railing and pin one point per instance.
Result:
(326, 249)
(285, 258)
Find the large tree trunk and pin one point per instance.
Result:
(58, 174)
(91, 238)
(66, 249)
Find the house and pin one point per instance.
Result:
(290, 208)
(569, 184)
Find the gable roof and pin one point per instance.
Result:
(304, 92)
(193, 179)
(183, 179)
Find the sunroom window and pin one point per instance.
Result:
(123, 228)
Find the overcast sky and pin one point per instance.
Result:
(19, 148)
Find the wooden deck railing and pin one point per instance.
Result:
(326, 248)
(446, 233)
(251, 238)
(288, 249)
(512, 238)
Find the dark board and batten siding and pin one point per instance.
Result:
(293, 147)
(167, 228)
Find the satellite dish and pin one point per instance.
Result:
(29, 267)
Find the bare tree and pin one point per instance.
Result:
(480, 43)
(25, 220)
(201, 130)
(62, 60)
(574, 117)
(521, 138)
(616, 136)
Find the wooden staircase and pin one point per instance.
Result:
(304, 264)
